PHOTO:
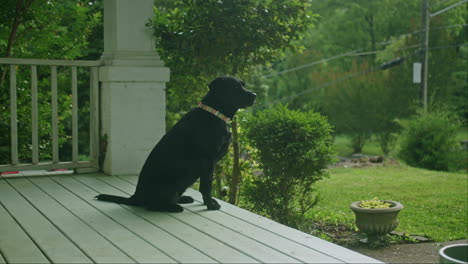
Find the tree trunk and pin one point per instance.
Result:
(19, 13)
(218, 189)
(235, 179)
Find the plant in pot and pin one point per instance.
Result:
(376, 217)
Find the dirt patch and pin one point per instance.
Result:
(363, 161)
(396, 247)
(408, 253)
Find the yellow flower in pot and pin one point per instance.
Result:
(376, 217)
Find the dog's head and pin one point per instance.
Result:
(229, 92)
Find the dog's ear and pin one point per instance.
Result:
(225, 81)
(216, 83)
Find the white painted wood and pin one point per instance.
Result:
(219, 250)
(13, 116)
(46, 166)
(93, 164)
(292, 234)
(137, 74)
(126, 105)
(165, 241)
(126, 39)
(271, 239)
(34, 116)
(132, 86)
(55, 145)
(51, 241)
(15, 243)
(126, 240)
(87, 170)
(330, 249)
(61, 210)
(242, 243)
(94, 109)
(251, 247)
(96, 247)
(74, 85)
(218, 222)
(50, 62)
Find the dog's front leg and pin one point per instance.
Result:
(206, 180)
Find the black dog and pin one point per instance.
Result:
(190, 150)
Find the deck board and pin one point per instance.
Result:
(51, 241)
(287, 233)
(57, 219)
(277, 233)
(212, 247)
(247, 237)
(137, 248)
(78, 231)
(11, 236)
(153, 234)
(250, 247)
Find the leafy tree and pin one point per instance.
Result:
(382, 30)
(200, 40)
(46, 30)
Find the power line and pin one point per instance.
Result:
(447, 8)
(348, 77)
(378, 51)
(311, 64)
(350, 53)
(309, 90)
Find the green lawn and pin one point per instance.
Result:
(435, 202)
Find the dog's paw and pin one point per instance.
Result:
(213, 205)
(185, 200)
(173, 208)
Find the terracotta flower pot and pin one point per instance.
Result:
(377, 221)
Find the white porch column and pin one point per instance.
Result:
(133, 80)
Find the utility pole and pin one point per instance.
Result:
(424, 52)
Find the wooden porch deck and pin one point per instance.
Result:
(55, 219)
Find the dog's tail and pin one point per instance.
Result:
(116, 199)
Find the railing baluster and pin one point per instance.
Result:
(94, 109)
(74, 114)
(37, 164)
(13, 116)
(34, 116)
(53, 81)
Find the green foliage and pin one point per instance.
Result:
(200, 40)
(429, 141)
(294, 149)
(360, 102)
(48, 29)
(45, 30)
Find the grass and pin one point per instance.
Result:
(435, 202)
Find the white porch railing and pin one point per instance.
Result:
(55, 163)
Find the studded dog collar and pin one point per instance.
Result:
(214, 112)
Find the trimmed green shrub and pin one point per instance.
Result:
(429, 141)
(294, 149)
